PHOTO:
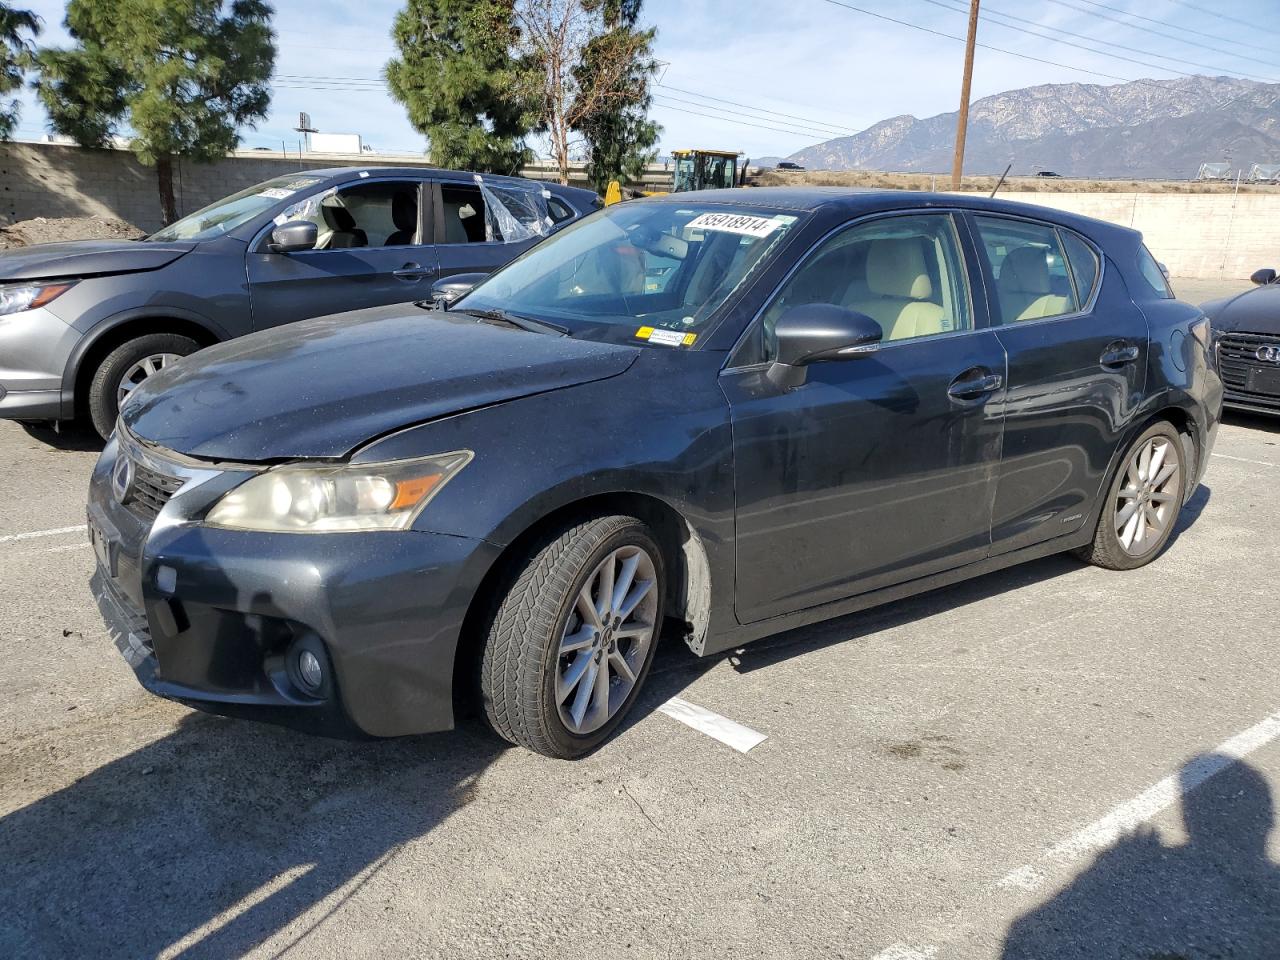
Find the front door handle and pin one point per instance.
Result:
(968, 387)
(412, 271)
(1118, 353)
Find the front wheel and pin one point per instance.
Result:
(1142, 504)
(571, 642)
(125, 367)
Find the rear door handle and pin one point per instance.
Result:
(412, 271)
(1119, 353)
(967, 387)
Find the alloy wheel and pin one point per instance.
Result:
(140, 371)
(606, 639)
(1146, 503)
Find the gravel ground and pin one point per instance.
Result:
(951, 776)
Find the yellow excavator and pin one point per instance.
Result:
(694, 170)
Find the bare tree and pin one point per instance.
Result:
(553, 39)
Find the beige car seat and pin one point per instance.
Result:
(1024, 287)
(899, 291)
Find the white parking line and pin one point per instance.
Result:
(57, 531)
(901, 951)
(1259, 463)
(1130, 814)
(729, 732)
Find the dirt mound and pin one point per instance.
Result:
(47, 230)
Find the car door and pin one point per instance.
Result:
(369, 252)
(466, 239)
(881, 468)
(1077, 349)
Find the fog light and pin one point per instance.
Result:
(309, 671)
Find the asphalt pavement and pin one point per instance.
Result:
(1054, 761)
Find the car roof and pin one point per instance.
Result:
(856, 201)
(438, 173)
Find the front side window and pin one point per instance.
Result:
(639, 271)
(1030, 269)
(906, 273)
(382, 213)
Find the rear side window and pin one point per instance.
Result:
(559, 210)
(1030, 268)
(463, 213)
(1083, 262)
(1152, 273)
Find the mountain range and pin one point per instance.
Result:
(1141, 129)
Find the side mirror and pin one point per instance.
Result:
(1264, 276)
(293, 237)
(817, 333)
(447, 290)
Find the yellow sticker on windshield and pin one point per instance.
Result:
(666, 338)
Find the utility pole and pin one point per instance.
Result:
(962, 124)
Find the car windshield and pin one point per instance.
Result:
(656, 272)
(230, 212)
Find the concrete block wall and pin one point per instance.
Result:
(1200, 236)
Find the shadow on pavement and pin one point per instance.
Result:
(1215, 896)
(1251, 421)
(217, 836)
(68, 436)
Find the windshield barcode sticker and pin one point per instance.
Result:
(735, 223)
(666, 338)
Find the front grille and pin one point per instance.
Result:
(150, 491)
(1241, 370)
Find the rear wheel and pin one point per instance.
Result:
(127, 366)
(1142, 504)
(571, 642)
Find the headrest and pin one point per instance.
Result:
(895, 268)
(337, 217)
(1026, 269)
(404, 210)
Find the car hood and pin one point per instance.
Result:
(323, 387)
(1254, 311)
(85, 258)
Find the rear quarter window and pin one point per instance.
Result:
(1152, 274)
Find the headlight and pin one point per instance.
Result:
(15, 297)
(303, 498)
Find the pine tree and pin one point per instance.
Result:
(182, 75)
(17, 29)
(458, 79)
(620, 136)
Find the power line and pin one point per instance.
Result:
(1069, 43)
(752, 116)
(740, 123)
(1121, 46)
(790, 116)
(1215, 13)
(1011, 53)
(1117, 15)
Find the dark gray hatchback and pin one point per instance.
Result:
(83, 323)
(734, 412)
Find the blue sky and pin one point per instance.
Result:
(797, 72)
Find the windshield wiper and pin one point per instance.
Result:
(517, 321)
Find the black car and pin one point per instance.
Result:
(83, 323)
(726, 413)
(1247, 334)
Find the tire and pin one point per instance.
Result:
(106, 382)
(1161, 500)
(526, 678)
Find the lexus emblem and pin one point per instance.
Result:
(1269, 353)
(122, 479)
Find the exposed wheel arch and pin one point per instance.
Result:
(688, 580)
(94, 350)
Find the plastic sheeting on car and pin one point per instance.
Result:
(514, 211)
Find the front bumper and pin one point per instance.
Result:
(208, 617)
(35, 348)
